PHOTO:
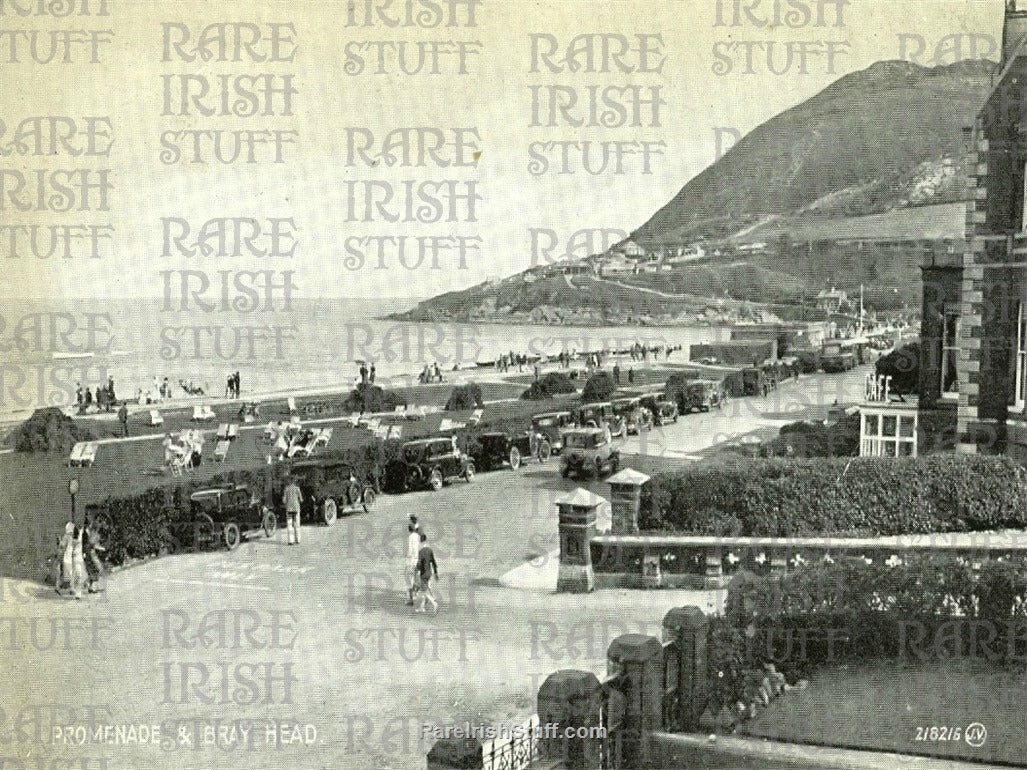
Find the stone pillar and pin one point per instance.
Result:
(689, 627)
(570, 699)
(577, 528)
(626, 500)
(456, 754)
(640, 657)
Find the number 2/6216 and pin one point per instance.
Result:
(936, 733)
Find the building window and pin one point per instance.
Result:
(950, 355)
(1020, 362)
(888, 434)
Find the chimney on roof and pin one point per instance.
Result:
(1014, 30)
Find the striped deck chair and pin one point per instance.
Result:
(221, 450)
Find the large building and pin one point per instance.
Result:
(974, 324)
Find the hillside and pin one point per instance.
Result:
(878, 155)
(887, 137)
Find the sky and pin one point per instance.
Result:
(499, 196)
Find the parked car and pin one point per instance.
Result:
(588, 452)
(636, 417)
(663, 411)
(496, 449)
(835, 358)
(600, 415)
(223, 515)
(703, 395)
(429, 463)
(754, 382)
(550, 425)
(328, 488)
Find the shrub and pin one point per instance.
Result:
(599, 387)
(859, 496)
(676, 387)
(814, 439)
(50, 430)
(903, 366)
(551, 384)
(808, 361)
(465, 397)
(371, 398)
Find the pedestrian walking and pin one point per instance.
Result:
(123, 418)
(79, 579)
(616, 374)
(65, 548)
(426, 569)
(372, 374)
(78, 394)
(410, 565)
(292, 497)
(363, 374)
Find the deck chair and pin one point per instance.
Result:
(233, 431)
(269, 432)
(400, 409)
(354, 419)
(76, 453)
(395, 431)
(206, 413)
(476, 416)
(295, 421)
(156, 418)
(446, 424)
(221, 450)
(183, 462)
(197, 413)
(321, 439)
(222, 431)
(292, 404)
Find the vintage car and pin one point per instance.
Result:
(431, 462)
(494, 449)
(550, 425)
(836, 358)
(223, 515)
(663, 411)
(328, 488)
(588, 452)
(636, 416)
(754, 382)
(703, 395)
(600, 415)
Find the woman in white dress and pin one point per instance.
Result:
(64, 575)
(79, 578)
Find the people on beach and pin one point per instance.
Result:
(426, 569)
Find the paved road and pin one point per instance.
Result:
(270, 637)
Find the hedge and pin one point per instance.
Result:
(599, 387)
(465, 397)
(814, 439)
(50, 430)
(845, 611)
(157, 521)
(854, 497)
(551, 384)
(371, 398)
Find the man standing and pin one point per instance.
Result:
(372, 374)
(123, 417)
(426, 566)
(410, 566)
(292, 497)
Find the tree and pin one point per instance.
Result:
(903, 366)
(600, 387)
(370, 398)
(465, 397)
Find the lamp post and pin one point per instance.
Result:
(73, 490)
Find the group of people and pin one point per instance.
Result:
(420, 568)
(367, 375)
(616, 374)
(105, 399)
(189, 446)
(232, 386)
(430, 374)
(76, 546)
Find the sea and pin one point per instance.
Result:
(48, 347)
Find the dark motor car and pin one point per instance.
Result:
(329, 488)
(754, 382)
(663, 411)
(601, 414)
(431, 462)
(588, 452)
(223, 514)
(636, 416)
(550, 425)
(494, 449)
(703, 395)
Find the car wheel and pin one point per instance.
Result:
(515, 458)
(544, 451)
(368, 499)
(231, 535)
(329, 511)
(269, 522)
(469, 470)
(435, 480)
